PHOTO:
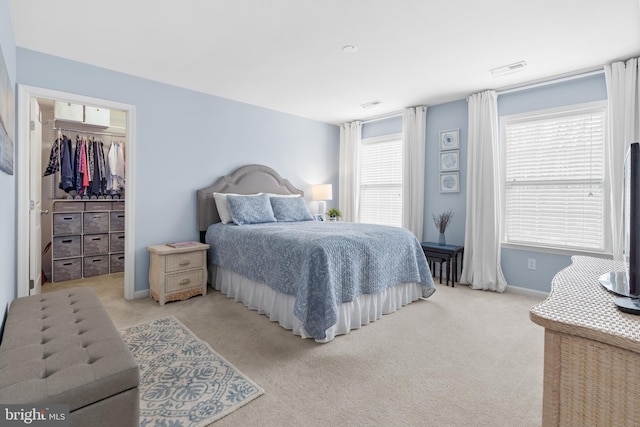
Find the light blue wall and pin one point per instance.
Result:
(186, 139)
(382, 127)
(7, 182)
(454, 115)
(514, 261)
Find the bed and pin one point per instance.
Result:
(318, 279)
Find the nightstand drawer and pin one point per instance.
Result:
(186, 280)
(184, 261)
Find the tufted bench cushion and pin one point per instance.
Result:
(62, 347)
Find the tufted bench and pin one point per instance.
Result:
(62, 347)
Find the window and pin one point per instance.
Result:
(554, 178)
(381, 180)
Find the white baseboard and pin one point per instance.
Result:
(141, 294)
(527, 292)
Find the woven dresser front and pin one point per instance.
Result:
(592, 350)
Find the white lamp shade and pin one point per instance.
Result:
(322, 192)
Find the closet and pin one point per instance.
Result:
(83, 194)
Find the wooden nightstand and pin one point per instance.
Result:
(177, 273)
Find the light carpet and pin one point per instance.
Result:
(183, 381)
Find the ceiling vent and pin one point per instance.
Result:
(372, 105)
(508, 69)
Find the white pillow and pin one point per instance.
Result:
(223, 207)
(283, 195)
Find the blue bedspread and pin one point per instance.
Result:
(321, 264)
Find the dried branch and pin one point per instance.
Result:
(442, 221)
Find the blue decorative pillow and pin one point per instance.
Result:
(289, 209)
(250, 209)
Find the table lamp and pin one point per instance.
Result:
(321, 193)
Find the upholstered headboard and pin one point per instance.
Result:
(249, 179)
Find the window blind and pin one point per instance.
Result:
(381, 182)
(554, 179)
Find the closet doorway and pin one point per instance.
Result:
(100, 239)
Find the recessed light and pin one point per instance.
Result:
(508, 69)
(349, 48)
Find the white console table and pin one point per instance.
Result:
(591, 350)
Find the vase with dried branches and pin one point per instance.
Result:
(442, 221)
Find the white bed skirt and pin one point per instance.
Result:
(279, 307)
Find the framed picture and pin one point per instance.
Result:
(450, 182)
(319, 217)
(449, 139)
(7, 119)
(450, 160)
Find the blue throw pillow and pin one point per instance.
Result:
(250, 209)
(289, 209)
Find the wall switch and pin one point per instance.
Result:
(531, 264)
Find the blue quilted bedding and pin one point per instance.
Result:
(321, 264)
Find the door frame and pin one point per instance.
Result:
(25, 93)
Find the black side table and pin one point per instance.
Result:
(446, 254)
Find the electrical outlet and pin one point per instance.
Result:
(531, 264)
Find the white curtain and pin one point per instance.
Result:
(413, 130)
(350, 139)
(623, 95)
(481, 266)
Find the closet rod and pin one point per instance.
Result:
(120, 135)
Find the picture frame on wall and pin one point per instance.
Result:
(450, 182)
(7, 119)
(450, 160)
(449, 139)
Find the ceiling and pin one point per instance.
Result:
(287, 55)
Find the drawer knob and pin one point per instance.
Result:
(185, 281)
(185, 262)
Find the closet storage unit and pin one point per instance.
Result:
(87, 238)
(70, 112)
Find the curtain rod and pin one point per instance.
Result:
(550, 82)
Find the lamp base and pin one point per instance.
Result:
(322, 208)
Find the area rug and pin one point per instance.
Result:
(183, 381)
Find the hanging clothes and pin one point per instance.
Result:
(116, 168)
(96, 188)
(54, 158)
(61, 160)
(85, 169)
(82, 168)
(77, 162)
